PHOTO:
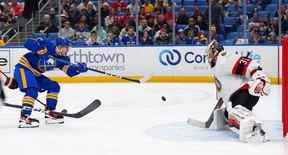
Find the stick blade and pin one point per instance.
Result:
(91, 107)
(197, 123)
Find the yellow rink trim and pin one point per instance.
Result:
(156, 79)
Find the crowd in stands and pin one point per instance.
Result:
(156, 22)
(9, 12)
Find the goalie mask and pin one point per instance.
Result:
(212, 51)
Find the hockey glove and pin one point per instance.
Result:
(11, 83)
(259, 87)
(82, 67)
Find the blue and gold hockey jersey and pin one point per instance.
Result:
(38, 59)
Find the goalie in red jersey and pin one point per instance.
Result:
(240, 82)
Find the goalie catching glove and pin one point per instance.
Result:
(260, 84)
(259, 87)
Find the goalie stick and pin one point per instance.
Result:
(208, 123)
(91, 107)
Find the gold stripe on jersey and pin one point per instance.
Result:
(23, 61)
(23, 78)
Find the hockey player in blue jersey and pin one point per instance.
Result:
(31, 81)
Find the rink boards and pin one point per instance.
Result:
(160, 63)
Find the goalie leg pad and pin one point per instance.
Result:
(249, 129)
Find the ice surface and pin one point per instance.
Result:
(133, 120)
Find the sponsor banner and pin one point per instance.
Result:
(169, 61)
(193, 60)
(5, 60)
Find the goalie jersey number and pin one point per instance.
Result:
(241, 65)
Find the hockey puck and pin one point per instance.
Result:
(163, 98)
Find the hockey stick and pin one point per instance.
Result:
(91, 107)
(208, 123)
(99, 71)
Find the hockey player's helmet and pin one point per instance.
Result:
(63, 42)
(62, 46)
(34, 45)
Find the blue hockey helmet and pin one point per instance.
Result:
(32, 45)
(64, 42)
(41, 42)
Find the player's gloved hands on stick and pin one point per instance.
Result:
(82, 67)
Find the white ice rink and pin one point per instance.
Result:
(133, 120)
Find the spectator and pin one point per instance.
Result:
(192, 28)
(197, 12)
(112, 39)
(82, 31)
(67, 31)
(91, 12)
(255, 37)
(181, 38)
(123, 32)
(142, 13)
(144, 27)
(105, 11)
(54, 17)
(182, 18)
(214, 34)
(112, 19)
(160, 21)
(145, 38)
(148, 7)
(134, 7)
(203, 25)
(130, 37)
(126, 18)
(66, 5)
(74, 14)
(150, 22)
(93, 39)
(273, 31)
(200, 39)
(162, 37)
(85, 4)
(101, 34)
(16, 8)
(119, 5)
(159, 6)
(217, 16)
(284, 21)
(93, 22)
(168, 14)
(46, 25)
